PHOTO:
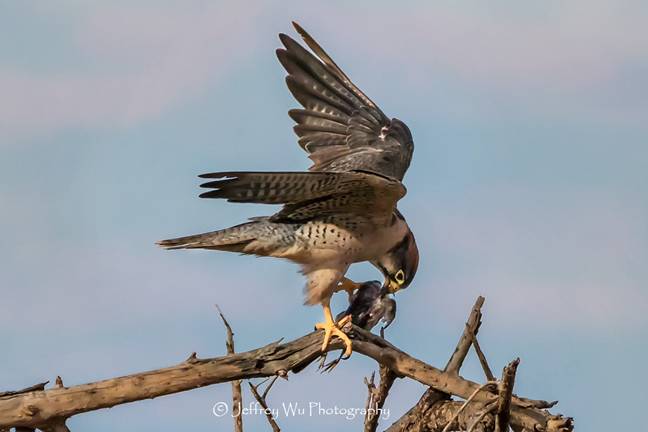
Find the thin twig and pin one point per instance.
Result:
(268, 387)
(237, 396)
(484, 413)
(482, 360)
(465, 404)
(262, 401)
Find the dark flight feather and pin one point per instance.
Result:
(340, 127)
(307, 195)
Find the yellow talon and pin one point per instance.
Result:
(332, 329)
(344, 321)
(349, 286)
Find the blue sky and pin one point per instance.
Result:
(528, 186)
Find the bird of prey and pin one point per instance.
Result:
(343, 210)
(370, 304)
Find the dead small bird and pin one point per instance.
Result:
(369, 305)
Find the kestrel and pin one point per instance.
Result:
(343, 210)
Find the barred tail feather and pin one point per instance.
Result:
(233, 239)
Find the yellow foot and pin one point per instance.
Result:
(332, 329)
(344, 321)
(349, 286)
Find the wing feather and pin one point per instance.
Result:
(340, 127)
(359, 155)
(307, 195)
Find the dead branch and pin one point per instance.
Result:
(417, 415)
(466, 339)
(35, 387)
(237, 397)
(44, 408)
(464, 405)
(482, 360)
(56, 426)
(377, 397)
(432, 411)
(505, 393)
(261, 398)
(438, 413)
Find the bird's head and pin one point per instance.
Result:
(400, 263)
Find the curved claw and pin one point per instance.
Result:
(349, 286)
(344, 321)
(332, 329)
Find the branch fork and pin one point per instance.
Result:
(486, 408)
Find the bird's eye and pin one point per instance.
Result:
(400, 276)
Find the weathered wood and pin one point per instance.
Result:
(377, 397)
(465, 341)
(261, 398)
(505, 394)
(435, 412)
(419, 415)
(44, 408)
(37, 408)
(237, 396)
(405, 365)
(482, 360)
(55, 426)
(39, 386)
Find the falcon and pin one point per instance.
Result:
(343, 209)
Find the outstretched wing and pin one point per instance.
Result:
(340, 127)
(309, 194)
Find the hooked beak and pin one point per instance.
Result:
(392, 286)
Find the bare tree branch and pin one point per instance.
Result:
(440, 412)
(237, 397)
(431, 396)
(482, 360)
(377, 398)
(262, 401)
(41, 408)
(424, 416)
(465, 404)
(35, 387)
(56, 426)
(505, 394)
(466, 339)
(417, 416)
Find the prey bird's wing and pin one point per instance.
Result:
(306, 195)
(340, 127)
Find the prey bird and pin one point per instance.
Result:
(343, 210)
(369, 305)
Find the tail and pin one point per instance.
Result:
(234, 239)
